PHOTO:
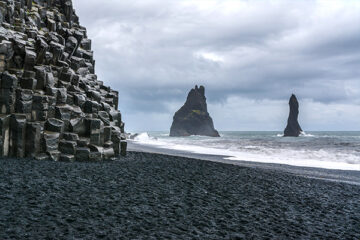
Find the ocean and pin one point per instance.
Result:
(328, 150)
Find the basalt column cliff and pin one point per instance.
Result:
(293, 128)
(193, 118)
(51, 104)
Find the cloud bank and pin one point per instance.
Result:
(249, 55)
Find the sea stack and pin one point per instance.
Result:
(193, 118)
(293, 128)
(52, 105)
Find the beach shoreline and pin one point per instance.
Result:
(156, 196)
(346, 176)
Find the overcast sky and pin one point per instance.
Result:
(250, 56)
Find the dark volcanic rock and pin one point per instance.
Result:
(293, 128)
(193, 118)
(153, 196)
(50, 96)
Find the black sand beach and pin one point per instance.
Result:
(152, 196)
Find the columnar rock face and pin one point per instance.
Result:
(193, 118)
(52, 106)
(293, 128)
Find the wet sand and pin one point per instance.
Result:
(154, 196)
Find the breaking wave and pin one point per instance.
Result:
(309, 150)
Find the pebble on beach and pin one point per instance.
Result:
(151, 196)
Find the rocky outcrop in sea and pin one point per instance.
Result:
(52, 106)
(293, 128)
(193, 118)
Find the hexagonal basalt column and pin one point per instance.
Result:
(17, 135)
(52, 105)
(4, 135)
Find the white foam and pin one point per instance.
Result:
(304, 134)
(143, 137)
(320, 158)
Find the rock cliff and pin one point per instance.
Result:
(52, 106)
(193, 118)
(293, 128)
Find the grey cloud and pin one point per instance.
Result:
(154, 51)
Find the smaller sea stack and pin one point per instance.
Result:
(193, 118)
(293, 128)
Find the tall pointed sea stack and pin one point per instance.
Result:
(293, 128)
(52, 106)
(193, 118)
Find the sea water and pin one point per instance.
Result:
(330, 150)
